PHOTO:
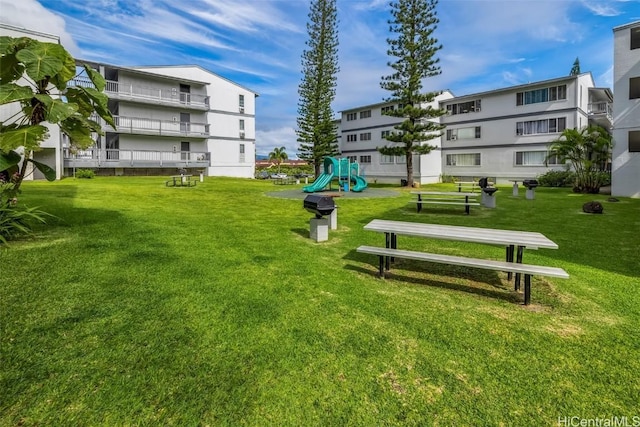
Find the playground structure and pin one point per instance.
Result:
(345, 171)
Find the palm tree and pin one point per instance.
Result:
(278, 155)
(588, 150)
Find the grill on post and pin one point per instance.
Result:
(319, 205)
(530, 183)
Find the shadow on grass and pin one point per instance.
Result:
(480, 282)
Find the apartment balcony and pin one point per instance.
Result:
(145, 95)
(600, 113)
(143, 126)
(106, 158)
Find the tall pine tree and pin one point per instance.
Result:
(414, 50)
(316, 131)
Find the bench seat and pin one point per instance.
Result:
(527, 269)
(439, 202)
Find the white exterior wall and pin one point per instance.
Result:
(426, 168)
(224, 116)
(497, 119)
(625, 179)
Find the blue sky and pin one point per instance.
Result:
(487, 44)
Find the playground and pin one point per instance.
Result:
(347, 174)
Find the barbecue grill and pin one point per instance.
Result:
(319, 205)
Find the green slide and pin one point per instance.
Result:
(360, 185)
(322, 181)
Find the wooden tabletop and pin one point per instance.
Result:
(529, 239)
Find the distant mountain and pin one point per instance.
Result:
(261, 157)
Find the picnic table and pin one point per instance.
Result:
(446, 198)
(514, 241)
(180, 181)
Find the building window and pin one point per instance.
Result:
(634, 141)
(241, 124)
(535, 127)
(241, 103)
(546, 94)
(384, 134)
(464, 107)
(386, 110)
(536, 158)
(634, 88)
(352, 137)
(401, 159)
(472, 159)
(384, 159)
(635, 38)
(365, 114)
(365, 136)
(365, 159)
(351, 116)
(241, 153)
(352, 158)
(463, 133)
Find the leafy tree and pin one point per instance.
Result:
(588, 150)
(316, 131)
(278, 155)
(43, 97)
(575, 70)
(34, 92)
(414, 50)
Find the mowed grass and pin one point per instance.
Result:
(147, 305)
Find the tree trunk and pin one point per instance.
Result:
(409, 157)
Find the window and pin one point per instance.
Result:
(241, 103)
(385, 110)
(464, 107)
(635, 38)
(634, 88)
(463, 133)
(535, 127)
(352, 158)
(351, 116)
(385, 133)
(352, 137)
(536, 158)
(365, 114)
(365, 159)
(241, 153)
(634, 141)
(546, 94)
(401, 159)
(384, 159)
(472, 159)
(241, 124)
(365, 136)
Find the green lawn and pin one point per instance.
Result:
(147, 305)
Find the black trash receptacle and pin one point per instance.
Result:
(404, 182)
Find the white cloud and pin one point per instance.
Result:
(267, 140)
(31, 15)
(601, 9)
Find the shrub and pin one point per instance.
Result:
(17, 220)
(447, 178)
(556, 179)
(85, 173)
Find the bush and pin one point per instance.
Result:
(85, 173)
(556, 179)
(447, 178)
(16, 221)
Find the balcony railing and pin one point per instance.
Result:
(600, 108)
(109, 158)
(152, 95)
(144, 126)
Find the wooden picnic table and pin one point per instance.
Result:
(514, 241)
(180, 181)
(446, 198)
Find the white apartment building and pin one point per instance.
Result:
(625, 175)
(502, 134)
(361, 130)
(171, 117)
(168, 118)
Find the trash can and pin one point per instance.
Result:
(404, 183)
